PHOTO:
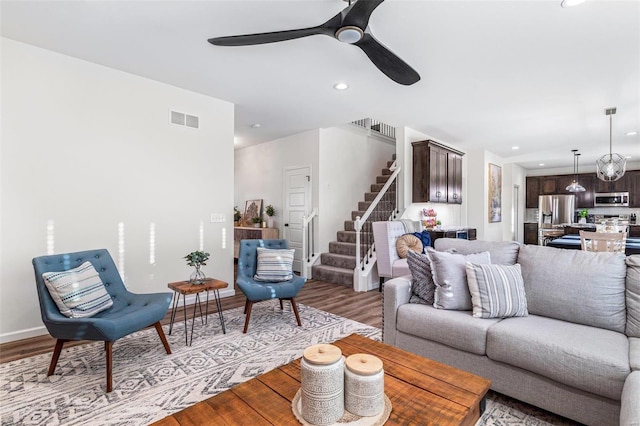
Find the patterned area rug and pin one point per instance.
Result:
(148, 384)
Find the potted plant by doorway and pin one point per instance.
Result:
(270, 211)
(197, 259)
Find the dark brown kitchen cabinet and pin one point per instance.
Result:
(584, 200)
(531, 233)
(549, 185)
(454, 178)
(437, 173)
(533, 190)
(633, 181)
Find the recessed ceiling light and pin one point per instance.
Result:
(255, 125)
(631, 133)
(515, 147)
(541, 164)
(341, 86)
(569, 3)
(628, 157)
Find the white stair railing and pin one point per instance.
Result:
(375, 212)
(309, 256)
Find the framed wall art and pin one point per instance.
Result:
(495, 193)
(252, 208)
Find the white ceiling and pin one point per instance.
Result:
(495, 74)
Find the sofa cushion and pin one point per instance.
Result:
(629, 406)
(634, 353)
(422, 286)
(456, 329)
(502, 252)
(588, 358)
(450, 278)
(577, 286)
(633, 295)
(497, 291)
(406, 243)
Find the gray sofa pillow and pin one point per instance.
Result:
(577, 286)
(450, 277)
(501, 252)
(422, 286)
(633, 296)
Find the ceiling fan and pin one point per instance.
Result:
(351, 26)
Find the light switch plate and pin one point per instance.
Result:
(217, 217)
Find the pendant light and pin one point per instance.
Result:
(575, 186)
(611, 166)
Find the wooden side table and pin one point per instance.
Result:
(184, 288)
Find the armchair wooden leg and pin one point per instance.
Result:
(158, 327)
(248, 307)
(281, 307)
(109, 346)
(294, 306)
(56, 356)
(246, 304)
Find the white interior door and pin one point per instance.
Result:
(297, 204)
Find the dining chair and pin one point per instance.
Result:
(603, 241)
(129, 312)
(278, 267)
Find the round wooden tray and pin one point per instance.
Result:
(347, 419)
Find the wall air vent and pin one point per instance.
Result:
(182, 119)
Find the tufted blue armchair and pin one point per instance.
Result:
(257, 291)
(130, 312)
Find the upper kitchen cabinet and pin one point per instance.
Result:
(437, 173)
(533, 190)
(584, 200)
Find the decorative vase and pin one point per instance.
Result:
(197, 277)
(582, 220)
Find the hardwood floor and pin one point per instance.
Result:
(337, 299)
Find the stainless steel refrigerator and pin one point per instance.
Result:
(554, 211)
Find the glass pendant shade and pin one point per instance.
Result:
(611, 166)
(575, 186)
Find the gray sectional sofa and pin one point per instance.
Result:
(576, 354)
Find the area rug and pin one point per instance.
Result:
(149, 385)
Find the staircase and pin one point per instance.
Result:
(338, 264)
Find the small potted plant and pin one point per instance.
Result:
(438, 225)
(257, 221)
(197, 259)
(270, 212)
(583, 215)
(236, 216)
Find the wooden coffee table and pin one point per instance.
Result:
(421, 391)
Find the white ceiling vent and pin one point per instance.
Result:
(182, 119)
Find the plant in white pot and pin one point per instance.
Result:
(270, 212)
(197, 259)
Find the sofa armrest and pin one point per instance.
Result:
(397, 292)
(629, 407)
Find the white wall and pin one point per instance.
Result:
(513, 217)
(85, 148)
(259, 171)
(350, 160)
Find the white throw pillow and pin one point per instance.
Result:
(274, 265)
(78, 292)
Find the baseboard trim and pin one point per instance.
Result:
(41, 331)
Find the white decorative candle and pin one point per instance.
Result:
(322, 377)
(364, 385)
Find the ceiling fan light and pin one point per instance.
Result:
(569, 3)
(349, 34)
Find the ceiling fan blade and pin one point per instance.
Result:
(360, 12)
(387, 62)
(272, 37)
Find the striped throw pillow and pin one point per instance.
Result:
(274, 265)
(497, 291)
(422, 286)
(78, 292)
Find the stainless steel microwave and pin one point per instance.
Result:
(611, 199)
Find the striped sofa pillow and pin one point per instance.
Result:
(274, 265)
(78, 292)
(497, 291)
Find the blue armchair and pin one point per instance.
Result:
(257, 291)
(130, 312)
